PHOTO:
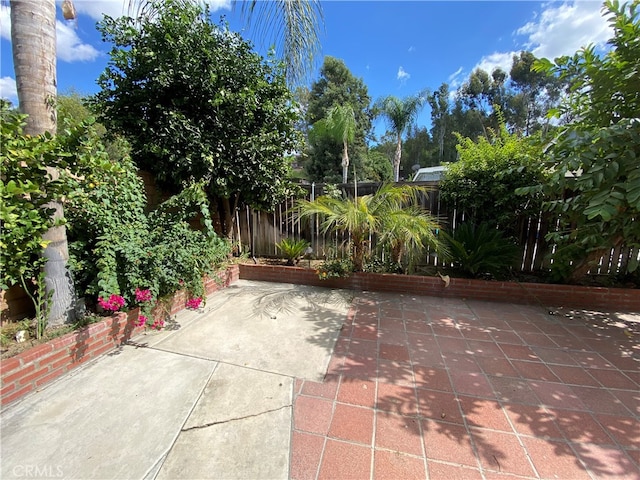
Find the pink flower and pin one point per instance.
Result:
(142, 320)
(143, 295)
(158, 325)
(115, 303)
(194, 303)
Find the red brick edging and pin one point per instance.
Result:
(33, 368)
(548, 295)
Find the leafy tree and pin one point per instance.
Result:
(387, 213)
(536, 92)
(400, 115)
(336, 87)
(441, 124)
(417, 150)
(594, 185)
(295, 22)
(483, 181)
(376, 168)
(339, 125)
(72, 112)
(197, 104)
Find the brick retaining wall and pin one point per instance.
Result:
(33, 368)
(548, 295)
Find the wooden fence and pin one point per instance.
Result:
(260, 231)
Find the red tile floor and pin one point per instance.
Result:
(429, 388)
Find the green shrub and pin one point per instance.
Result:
(25, 189)
(293, 250)
(116, 248)
(336, 268)
(480, 250)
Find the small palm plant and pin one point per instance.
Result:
(387, 213)
(293, 250)
(481, 249)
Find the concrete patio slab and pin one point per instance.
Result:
(240, 428)
(115, 418)
(280, 328)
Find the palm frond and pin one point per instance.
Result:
(295, 25)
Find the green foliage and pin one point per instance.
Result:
(197, 104)
(26, 188)
(336, 87)
(292, 249)
(115, 247)
(483, 182)
(594, 182)
(72, 112)
(400, 114)
(388, 213)
(375, 168)
(335, 268)
(340, 126)
(480, 250)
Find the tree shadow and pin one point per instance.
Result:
(484, 426)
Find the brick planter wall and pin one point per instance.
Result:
(33, 368)
(612, 299)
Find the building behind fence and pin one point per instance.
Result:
(260, 231)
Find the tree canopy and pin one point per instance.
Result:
(337, 86)
(196, 104)
(594, 185)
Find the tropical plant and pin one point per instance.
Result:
(297, 21)
(335, 87)
(35, 69)
(293, 250)
(400, 114)
(386, 213)
(594, 181)
(478, 250)
(339, 125)
(198, 104)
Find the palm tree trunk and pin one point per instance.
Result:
(33, 40)
(345, 163)
(396, 159)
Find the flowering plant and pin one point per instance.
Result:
(113, 304)
(143, 295)
(194, 303)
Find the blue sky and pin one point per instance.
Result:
(396, 47)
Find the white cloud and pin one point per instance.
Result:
(502, 60)
(555, 31)
(563, 30)
(454, 78)
(411, 49)
(97, 8)
(70, 47)
(117, 8)
(402, 75)
(5, 22)
(8, 89)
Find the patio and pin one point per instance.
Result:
(422, 387)
(276, 380)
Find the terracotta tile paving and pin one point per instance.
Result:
(433, 388)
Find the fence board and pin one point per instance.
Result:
(260, 231)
